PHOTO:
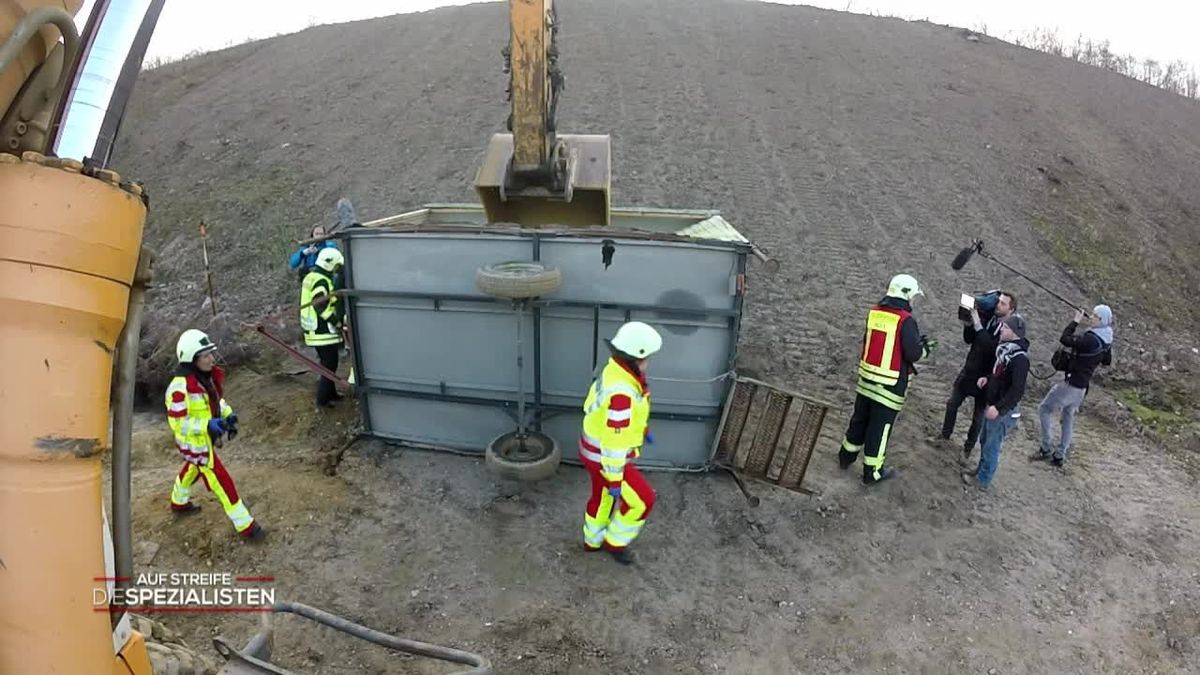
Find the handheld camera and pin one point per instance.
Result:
(984, 302)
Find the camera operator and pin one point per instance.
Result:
(982, 333)
(1085, 352)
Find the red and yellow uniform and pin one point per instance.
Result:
(190, 407)
(616, 414)
(892, 342)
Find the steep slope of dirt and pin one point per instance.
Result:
(851, 148)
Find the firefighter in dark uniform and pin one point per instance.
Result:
(891, 344)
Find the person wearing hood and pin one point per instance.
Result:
(1086, 352)
(201, 420)
(1003, 390)
(892, 343)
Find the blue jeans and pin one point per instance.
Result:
(991, 439)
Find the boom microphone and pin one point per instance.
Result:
(977, 247)
(964, 255)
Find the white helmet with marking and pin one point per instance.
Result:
(904, 286)
(329, 259)
(637, 339)
(192, 344)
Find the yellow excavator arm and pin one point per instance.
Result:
(534, 175)
(535, 84)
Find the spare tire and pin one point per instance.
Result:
(536, 459)
(517, 280)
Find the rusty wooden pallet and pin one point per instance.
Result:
(768, 409)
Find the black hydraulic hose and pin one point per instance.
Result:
(481, 666)
(127, 357)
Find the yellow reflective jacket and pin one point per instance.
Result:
(616, 415)
(189, 408)
(321, 326)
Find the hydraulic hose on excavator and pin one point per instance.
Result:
(122, 424)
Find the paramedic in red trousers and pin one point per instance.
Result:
(892, 343)
(616, 412)
(1003, 390)
(200, 419)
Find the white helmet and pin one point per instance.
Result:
(329, 259)
(904, 286)
(637, 339)
(191, 344)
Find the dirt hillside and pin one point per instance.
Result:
(851, 148)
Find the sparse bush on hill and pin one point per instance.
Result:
(1176, 77)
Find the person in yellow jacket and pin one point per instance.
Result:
(200, 419)
(321, 316)
(615, 426)
(892, 343)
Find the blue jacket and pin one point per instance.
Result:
(306, 262)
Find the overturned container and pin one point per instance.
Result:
(439, 300)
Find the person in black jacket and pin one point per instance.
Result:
(983, 338)
(1003, 390)
(1086, 352)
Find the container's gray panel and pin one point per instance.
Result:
(677, 443)
(687, 376)
(644, 273)
(567, 354)
(439, 423)
(417, 263)
(700, 357)
(469, 348)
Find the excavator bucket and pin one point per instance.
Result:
(574, 192)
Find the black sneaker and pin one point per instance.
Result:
(845, 459)
(1039, 456)
(623, 556)
(1057, 461)
(256, 533)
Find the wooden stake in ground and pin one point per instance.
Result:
(212, 299)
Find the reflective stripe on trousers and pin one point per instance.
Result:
(218, 482)
(880, 394)
(615, 531)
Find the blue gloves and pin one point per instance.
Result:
(649, 437)
(231, 423)
(615, 491)
(216, 427)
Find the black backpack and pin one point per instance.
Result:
(1064, 356)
